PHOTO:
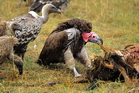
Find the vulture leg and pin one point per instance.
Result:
(83, 58)
(17, 61)
(19, 64)
(70, 61)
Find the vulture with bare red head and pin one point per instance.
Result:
(66, 44)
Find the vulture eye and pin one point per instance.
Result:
(94, 36)
(14, 24)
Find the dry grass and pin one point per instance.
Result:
(116, 21)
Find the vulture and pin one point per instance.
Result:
(31, 25)
(7, 29)
(6, 51)
(38, 4)
(66, 44)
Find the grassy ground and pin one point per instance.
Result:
(116, 21)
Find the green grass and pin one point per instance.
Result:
(116, 21)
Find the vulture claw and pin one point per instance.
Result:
(78, 75)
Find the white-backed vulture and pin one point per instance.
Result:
(38, 4)
(66, 44)
(31, 25)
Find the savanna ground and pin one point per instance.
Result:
(116, 21)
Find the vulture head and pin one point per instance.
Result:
(66, 44)
(13, 26)
(92, 37)
(9, 28)
(49, 8)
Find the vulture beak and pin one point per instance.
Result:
(92, 37)
(54, 10)
(58, 10)
(98, 41)
(16, 26)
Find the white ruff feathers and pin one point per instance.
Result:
(34, 14)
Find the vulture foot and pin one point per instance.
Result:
(76, 73)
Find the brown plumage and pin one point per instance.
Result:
(66, 44)
(6, 51)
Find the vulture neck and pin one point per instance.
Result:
(45, 14)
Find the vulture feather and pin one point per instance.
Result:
(66, 44)
(31, 25)
(38, 4)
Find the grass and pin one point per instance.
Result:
(116, 21)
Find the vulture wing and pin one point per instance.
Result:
(30, 28)
(56, 44)
(38, 4)
(54, 48)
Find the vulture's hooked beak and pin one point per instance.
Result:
(16, 26)
(54, 10)
(98, 41)
(58, 10)
(92, 37)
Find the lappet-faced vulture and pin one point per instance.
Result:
(66, 44)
